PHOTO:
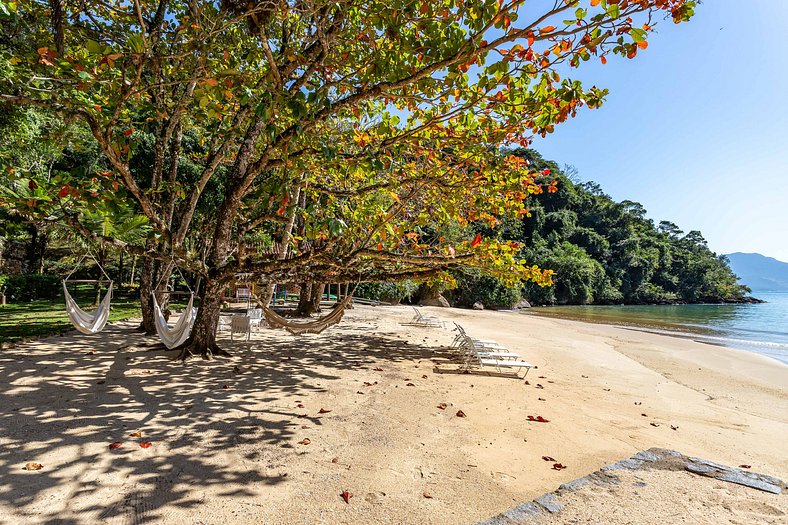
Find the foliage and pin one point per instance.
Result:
(386, 292)
(346, 140)
(608, 252)
(473, 287)
(28, 287)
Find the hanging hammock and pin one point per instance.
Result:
(178, 334)
(88, 323)
(313, 327)
(172, 337)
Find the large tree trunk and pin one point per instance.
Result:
(202, 340)
(305, 300)
(317, 296)
(152, 272)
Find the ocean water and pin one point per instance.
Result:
(761, 328)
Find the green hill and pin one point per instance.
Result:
(761, 273)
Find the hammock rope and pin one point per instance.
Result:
(88, 323)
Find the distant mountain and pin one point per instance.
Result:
(761, 273)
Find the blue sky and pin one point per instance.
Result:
(696, 127)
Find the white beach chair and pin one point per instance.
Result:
(477, 361)
(240, 324)
(426, 320)
(255, 316)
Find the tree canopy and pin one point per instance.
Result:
(309, 140)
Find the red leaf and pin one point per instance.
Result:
(547, 29)
(745, 466)
(558, 466)
(113, 446)
(604, 60)
(346, 496)
(145, 444)
(538, 419)
(305, 441)
(32, 184)
(323, 411)
(427, 495)
(65, 191)
(545, 171)
(442, 406)
(476, 240)
(128, 132)
(460, 413)
(548, 458)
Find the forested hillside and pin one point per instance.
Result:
(607, 252)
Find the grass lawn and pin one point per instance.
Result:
(48, 316)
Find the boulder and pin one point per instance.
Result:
(438, 300)
(522, 304)
(478, 306)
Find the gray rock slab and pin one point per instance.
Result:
(549, 502)
(647, 455)
(741, 478)
(522, 512)
(629, 464)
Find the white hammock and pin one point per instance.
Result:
(88, 323)
(172, 337)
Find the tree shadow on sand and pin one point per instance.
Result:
(66, 399)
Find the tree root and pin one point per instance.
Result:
(188, 350)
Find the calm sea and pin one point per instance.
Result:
(761, 328)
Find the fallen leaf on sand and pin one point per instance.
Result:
(539, 386)
(538, 419)
(638, 403)
(359, 392)
(585, 377)
(145, 444)
(101, 382)
(305, 441)
(548, 458)
(527, 382)
(113, 446)
(654, 424)
(410, 384)
(377, 369)
(33, 466)
(299, 405)
(460, 413)
(606, 389)
(427, 495)
(644, 415)
(740, 466)
(346, 496)
(541, 399)
(442, 406)
(542, 377)
(558, 466)
(674, 427)
(323, 411)
(335, 460)
(424, 376)
(137, 434)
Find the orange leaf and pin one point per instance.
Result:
(476, 240)
(33, 466)
(604, 60)
(128, 132)
(323, 411)
(548, 29)
(145, 444)
(643, 44)
(113, 446)
(594, 3)
(346, 496)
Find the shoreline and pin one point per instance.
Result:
(277, 432)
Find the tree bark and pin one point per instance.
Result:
(305, 300)
(202, 340)
(317, 296)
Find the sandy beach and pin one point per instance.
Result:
(243, 440)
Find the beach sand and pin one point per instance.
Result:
(228, 436)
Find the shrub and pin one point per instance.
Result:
(27, 287)
(492, 293)
(387, 292)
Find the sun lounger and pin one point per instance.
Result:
(426, 320)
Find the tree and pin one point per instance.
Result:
(384, 115)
